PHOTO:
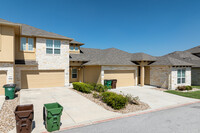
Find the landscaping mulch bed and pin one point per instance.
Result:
(7, 116)
(129, 107)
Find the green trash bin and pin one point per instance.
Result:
(10, 91)
(108, 83)
(52, 113)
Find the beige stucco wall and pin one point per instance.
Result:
(92, 74)
(147, 75)
(159, 76)
(195, 76)
(24, 55)
(6, 44)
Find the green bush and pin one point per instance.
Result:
(96, 95)
(92, 85)
(100, 88)
(183, 88)
(82, 87)
(188, 87)
(116, 101)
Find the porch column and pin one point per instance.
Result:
(142, 75)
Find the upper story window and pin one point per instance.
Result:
(76, 48)
(71, 48)
(181, 76)
(27, 44)
(53, 46)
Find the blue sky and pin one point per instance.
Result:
(156, 27)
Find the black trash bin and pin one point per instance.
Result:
(24, 115)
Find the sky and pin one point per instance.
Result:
(155, 27)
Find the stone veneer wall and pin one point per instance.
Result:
(51, 61)
(117, 68)
(8, 67)
(174, 84)
(159, 76)
(196, 76)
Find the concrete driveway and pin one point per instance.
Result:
(77, 109)
(155, 98)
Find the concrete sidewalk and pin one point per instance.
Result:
(77, 109)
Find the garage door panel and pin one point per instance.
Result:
(42, 79)
(124, 77)
(3, 76)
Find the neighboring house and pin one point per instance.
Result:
(96, 65)
(31, 57)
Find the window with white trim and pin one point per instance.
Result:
(53, 46)
(74, 73)
(26, 44)
(181, 76)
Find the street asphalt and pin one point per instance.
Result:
(185, 119)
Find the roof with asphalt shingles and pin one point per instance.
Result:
(170, 61)
(111, 56)
(142, 57)
(194, 50)
(76, 42)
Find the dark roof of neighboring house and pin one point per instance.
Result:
(194, 50)
(75, 42)
(3, 21)
(32, 31)
(170, 61)
(186, 57)
(111, 56)
(142, 57)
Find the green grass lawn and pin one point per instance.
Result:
(198, 87)
(194, 94)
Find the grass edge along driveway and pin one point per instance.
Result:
(194, 94)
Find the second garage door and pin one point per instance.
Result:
(42, 78)
(124, 77)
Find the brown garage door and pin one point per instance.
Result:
(124, 77)
(42, 78)
(2, 81)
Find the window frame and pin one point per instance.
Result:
(74, 73)
(53, 47)
(27, 44)
(70, 48)
(181, 77)
(76, 47)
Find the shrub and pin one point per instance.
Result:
(183, 88)
(92, 85)
(132, 100)
(101, 88)
(82, 87)
(96, 95)
(116, 101)
(188, 87)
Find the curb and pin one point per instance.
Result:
(125, 116)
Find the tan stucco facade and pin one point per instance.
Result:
(6, 43)
(24, 55)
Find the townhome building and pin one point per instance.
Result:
(35, 58)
